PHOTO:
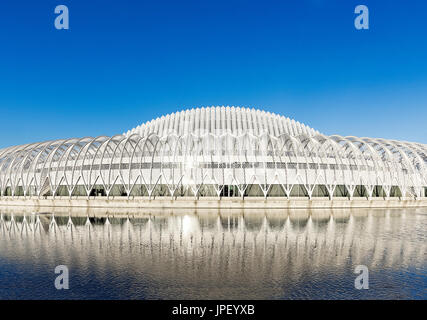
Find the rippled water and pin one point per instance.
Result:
(215, 255)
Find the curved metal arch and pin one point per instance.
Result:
(393, 162)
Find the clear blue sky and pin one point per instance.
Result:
(125, 62)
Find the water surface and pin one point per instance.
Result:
(276, 254)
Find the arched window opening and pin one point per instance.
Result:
(19, 191)
(98, 191)
(118, 190)
(139, 190)
(254, 190)
(7, 192)
(395, 192)
(79, 191)
(341, 191)
(299, 190)
(161, 190)
(207, 190)
(360, 191)
(379, 192)
(276, 190)
(183, 191)
(62, 191)
(320, 190)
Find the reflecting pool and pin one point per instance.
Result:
(272, 254)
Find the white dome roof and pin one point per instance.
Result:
(220, 120)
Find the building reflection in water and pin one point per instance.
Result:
(228, 255)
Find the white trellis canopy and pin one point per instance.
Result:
(216, 151)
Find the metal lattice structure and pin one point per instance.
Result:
(216, 152)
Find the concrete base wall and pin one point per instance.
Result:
(213, 203)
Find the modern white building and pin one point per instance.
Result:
(216, 152)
